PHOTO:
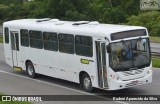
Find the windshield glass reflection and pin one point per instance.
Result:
(130, 54)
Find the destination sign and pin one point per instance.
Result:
(128, 34)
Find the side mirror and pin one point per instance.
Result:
(108, 48)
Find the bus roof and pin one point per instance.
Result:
(80, 28)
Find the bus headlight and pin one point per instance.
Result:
(149, 71)
(115, 77)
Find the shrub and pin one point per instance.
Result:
(150, 19)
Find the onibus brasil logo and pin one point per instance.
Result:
(150, 4)
(20, 98)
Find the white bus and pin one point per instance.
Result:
(95, 55)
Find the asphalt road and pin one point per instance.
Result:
(155, 47)
(17, 83)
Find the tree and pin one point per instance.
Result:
(151, 20)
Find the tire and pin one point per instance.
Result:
(86, 83)
(30, 70)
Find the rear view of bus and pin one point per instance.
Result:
(129, 59)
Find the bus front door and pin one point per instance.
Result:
(14, 47)
(101, 64)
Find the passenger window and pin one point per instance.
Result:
(36, 39)
(66, 43)
(50, 41)
(24, 38)
(6, 34)
(84, 46)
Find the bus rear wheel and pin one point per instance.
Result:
(87, 83)
(30, 70)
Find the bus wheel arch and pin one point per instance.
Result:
(85, 81)
(30, 69)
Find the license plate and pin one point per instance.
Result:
(134, 82)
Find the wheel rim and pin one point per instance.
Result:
(87, 83)
(30, 70)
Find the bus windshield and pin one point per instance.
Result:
(130, 54)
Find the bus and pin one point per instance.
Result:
(92, 54)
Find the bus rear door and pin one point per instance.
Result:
(14, 47)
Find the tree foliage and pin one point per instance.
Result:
(105, 11)
(150, 19)
(108, 11)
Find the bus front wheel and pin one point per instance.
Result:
(87, 83)
(30, 70)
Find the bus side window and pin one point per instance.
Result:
(36, 39)
(24, 37)
(6, 34)
(50, 41)
(66, 43)
(84, 46)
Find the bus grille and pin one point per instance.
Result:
(133, 72)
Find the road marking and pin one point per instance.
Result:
(39, 81)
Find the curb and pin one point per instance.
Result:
(154, 42)
(155, 68)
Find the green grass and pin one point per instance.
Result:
(1, 39)
(13, 102)
(154, 39)
(156, 63)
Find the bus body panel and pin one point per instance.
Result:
(8, 54)
(59, 65)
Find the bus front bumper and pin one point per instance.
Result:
(115, 84)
